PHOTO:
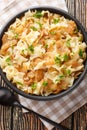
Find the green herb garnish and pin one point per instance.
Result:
(34, 28)
(38, 14)
(80, 53)
(40, 25)
(63, 87)
(56, 20)
(75, 30)
(31, 48)
(46, 46)
(23, 51)
(45, 83)
(60, 77)
(16, 36)
(68, 72)
(33, 86)
(57, 59)
(54, 43)
(65, 57)
(80, 38)
(68, 42)
(8, 60)
(19, 83)
(52, 33)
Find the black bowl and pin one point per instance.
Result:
(76, 82)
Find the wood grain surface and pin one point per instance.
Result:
(13, 118)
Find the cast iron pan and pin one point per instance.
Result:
(76, 82)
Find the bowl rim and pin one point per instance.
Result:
(75, 84)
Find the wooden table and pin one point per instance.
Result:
(13, 118)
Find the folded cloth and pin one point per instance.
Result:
(58, 109)
(5, 3)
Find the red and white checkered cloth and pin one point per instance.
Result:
(58, 109)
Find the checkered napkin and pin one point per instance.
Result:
(58, 109)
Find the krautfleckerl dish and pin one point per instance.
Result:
(43, 53)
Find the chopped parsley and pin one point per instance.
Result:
(46, 46)
(63, 87)
(19, 83)
(45, 83)
(16, 36)
(68, 72)
(31, 48)
(38, 14)
(33, 86)
(57, 59)
(40, 25)
(80, 38)
(8, 60)
(68, 42)
(56, 20)
(75, 30)
(81, 53)
(54, 43)
(34, 28)
(59, 78)
(52, 33)
(23, 51)
(65, 57)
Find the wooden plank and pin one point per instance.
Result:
(78, 8)
(86, 15)
(80, 119)
(81, 11)
(70, 6)
(5, 118)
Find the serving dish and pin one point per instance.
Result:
(77, 81)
